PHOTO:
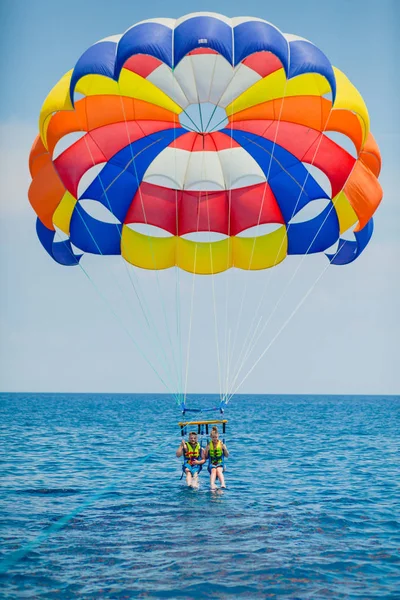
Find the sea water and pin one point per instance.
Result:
(92, 504)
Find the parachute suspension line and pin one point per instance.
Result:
(192, 294)
(220, 368)
(244, 294)
(229, 274)
(251, 347)
(176, 375)
(226, 388)
(215, 309)
(121, 323)
(109, 205)
(190, 329)
(176, 268)
(211, 85)
(100, 252)
(288, 285)
(126, 267)
(204, 175)
(178, 330)
(184, 391)
(203, 169)
(282, 328)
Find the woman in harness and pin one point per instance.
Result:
(215, 452)
(193, 459)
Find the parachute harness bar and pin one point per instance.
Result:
(202, 426)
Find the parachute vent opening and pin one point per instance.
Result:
(348, 235)
(87, 178)
(310, 211)
(78, 96)
(60, 235)
(333, 249)
(203, 118)
(320, 177)
(75, 249)
(67, 141)
(150, 230)
(98, 211)
(205, 236)
(343, 141)
(259, 230)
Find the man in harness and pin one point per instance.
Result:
(193, 459)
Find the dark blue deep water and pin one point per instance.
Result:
(92, 506)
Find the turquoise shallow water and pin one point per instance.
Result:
(91, 482)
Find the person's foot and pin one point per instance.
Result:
(214, 488)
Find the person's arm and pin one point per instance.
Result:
(206, 452)
(181, 449)
(225, 450)
(202, 458)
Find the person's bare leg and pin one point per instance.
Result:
(195, 481)
(212, 479)
(221, 477)
(188, 478)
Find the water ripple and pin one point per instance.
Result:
(312, 508)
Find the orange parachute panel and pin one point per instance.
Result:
(364, 193)
(38, 156)
(45, 193)
(95, 111)
(346, 122)
(146, 111)
(311, 111)
(371, 155)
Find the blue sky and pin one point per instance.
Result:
(57, 334)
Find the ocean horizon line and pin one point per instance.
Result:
(210, 394)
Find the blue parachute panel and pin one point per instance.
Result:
(119, 180)
(61, 252)
(258, 36)
(315, 235)
(91, 235)
(99, 59)
(202, 32)
(307, 58)
(153, 39)
(291, 183)
(348, 251)
(115, 188)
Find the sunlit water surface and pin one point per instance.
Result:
(311, 510)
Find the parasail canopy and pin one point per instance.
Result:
(203, 124)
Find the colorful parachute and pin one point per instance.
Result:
(203, 124)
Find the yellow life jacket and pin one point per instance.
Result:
(192, 453)
(216, 454)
